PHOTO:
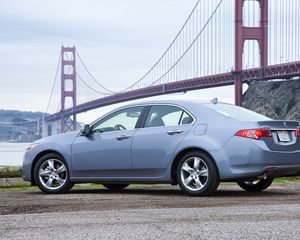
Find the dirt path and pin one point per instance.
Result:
(148, 197)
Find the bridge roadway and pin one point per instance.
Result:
(280, 71)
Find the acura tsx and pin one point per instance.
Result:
(194, 144)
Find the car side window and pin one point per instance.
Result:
(164, 115)
(186, 119)
(125, 119)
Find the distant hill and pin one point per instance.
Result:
(274, 99)
(11, 132)
(18, 116)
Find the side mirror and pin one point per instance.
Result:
(86, 130)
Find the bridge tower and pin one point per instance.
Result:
(68, 87)
(242, 33)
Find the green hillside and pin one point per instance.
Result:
(11, 132)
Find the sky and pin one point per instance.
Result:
(119, 40)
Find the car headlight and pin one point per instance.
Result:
(31, 146)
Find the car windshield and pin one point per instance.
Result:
(236, 112)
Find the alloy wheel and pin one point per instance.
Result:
(194, 173)
(53, 174)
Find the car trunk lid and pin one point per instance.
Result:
(283, 135)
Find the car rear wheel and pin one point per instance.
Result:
(197, 174)
(115, 186)
(51, 174)
(255, 185)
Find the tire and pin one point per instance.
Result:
(51, 174)
(255, 185)
(197, 174)
(115, 186)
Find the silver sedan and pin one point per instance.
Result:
(191, 143)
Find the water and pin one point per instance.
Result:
(12, 153)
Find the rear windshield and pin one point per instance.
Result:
(237, 113)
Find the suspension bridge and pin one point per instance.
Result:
(222, 42)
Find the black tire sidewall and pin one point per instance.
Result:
(213, 177)
(115, 186)
(68, 184)
(260, 186)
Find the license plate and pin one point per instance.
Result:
(283, 136)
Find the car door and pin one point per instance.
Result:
(106, 152)
(155, 144)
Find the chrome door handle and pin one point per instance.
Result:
(173, 132)
(122, 137)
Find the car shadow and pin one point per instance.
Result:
(177, 192)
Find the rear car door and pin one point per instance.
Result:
(155, 144)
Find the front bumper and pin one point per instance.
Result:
(27, 165)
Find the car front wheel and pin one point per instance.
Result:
(197, 174)
(51, 174)
(255, 185)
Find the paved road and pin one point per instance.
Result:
(152, 213)
(248, 222)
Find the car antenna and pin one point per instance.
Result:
(214, 101)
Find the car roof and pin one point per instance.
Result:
(189, 104)
(180, 102)
(167, 101)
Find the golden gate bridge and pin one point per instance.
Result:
(222, 42)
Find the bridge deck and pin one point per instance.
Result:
(280, 71)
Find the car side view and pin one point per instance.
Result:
(194, 144)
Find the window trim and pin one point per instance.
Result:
(143, 123)
(180, 119)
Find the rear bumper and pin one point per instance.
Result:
(281, 171)
(246, 158)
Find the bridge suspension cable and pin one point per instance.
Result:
(53, 84)
(193, 42)
(187, 37)
(92, 76)
(170, 65)
(89, 86)
(166, 51)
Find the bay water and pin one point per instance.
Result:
(11, 154)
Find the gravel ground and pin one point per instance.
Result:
(161, 212)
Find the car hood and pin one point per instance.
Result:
(63, 138)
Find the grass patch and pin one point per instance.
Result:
(29, 187)
(19, 187)
(79, 186)
(88, 186)
(287, 179)
(10, 171)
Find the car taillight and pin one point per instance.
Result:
(254, 133)
(297, 133)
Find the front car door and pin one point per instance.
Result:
(155, 144)
(106, 152)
